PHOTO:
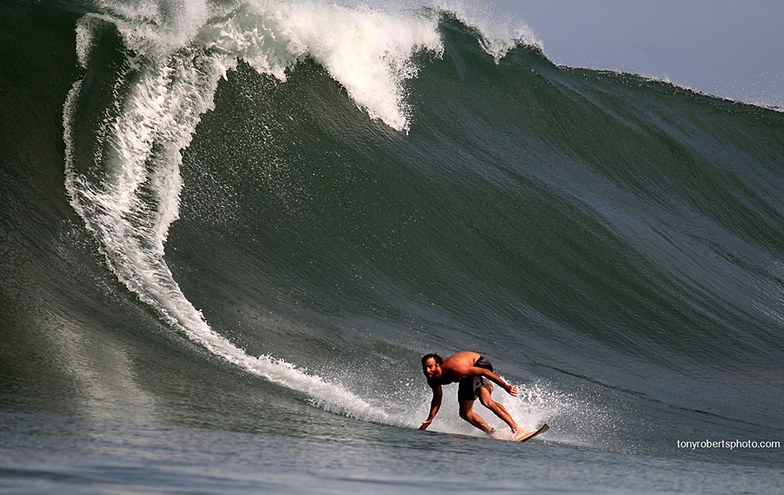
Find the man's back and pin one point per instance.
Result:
(458, 366)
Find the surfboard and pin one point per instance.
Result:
(526, 436)
(529, 435)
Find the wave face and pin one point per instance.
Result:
(315, 195)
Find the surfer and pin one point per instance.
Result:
(473, 374)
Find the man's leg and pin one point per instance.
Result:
(498, 409)
(468, 414)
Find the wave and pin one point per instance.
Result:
(345, 187)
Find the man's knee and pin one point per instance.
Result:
(485, 398)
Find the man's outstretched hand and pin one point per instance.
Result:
(425, 424)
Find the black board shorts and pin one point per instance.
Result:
(468, 386)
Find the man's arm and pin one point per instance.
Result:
(435, 405)
(477, 371)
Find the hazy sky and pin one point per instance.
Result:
(730, 48)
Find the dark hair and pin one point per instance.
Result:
(432, 355)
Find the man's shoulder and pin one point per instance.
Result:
(462, 358)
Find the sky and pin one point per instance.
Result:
(728, 48)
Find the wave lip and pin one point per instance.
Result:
(368, 52)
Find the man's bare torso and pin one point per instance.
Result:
(458, 366)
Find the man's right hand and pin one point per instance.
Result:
(425, 424)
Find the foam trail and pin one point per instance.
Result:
(128, 195)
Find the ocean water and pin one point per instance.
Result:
(229, 230)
